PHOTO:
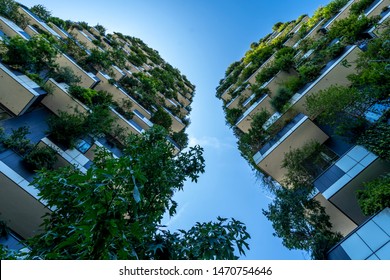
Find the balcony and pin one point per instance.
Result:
(88, 80)
(313, 33)
(339, 182)
(252, 78)
(263, 103)
(344, 13)
(18, 92)
(19, 203)
(67, 157)
(378, 29)
(61, 100)
(118, 73)
(177, 124)
(10, 29)
(183, 100)
(128, 126)
(294, 135)
(235, 102)
(60, 31)
(118, 94)
(376, 8)
(33, 19)
(141, 120)
(294, 33)
(226, 94)
(84, 38)
(335, 72)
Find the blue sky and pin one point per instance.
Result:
(202, 38)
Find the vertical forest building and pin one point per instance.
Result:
(309, 104)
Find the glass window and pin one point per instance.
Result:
(373, 236)
(356, 248)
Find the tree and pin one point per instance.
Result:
(9, 9)
(41, 12)
(375, 196)
(114, 210)
(162, 118)
(301, 222)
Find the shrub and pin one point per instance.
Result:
(40, 157)
(162, 118)
(17, 141)
(66, 75)
(232, 116)
(375, 196)
(359, 7)
(66, 128)
(283, 95)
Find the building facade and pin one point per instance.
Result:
(87, 71)
(268, 100)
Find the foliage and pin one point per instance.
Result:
(42, 52)
(309, 71)
(350, 28)
(40, 157)
(301, 222)
(114, 210)
(99, 59)
(66, 75)
(250, 143)
(181, 138)
(282, 97)
(66, 128)
(359, 7)
(9, 9)
(17, 141)
(204, 241)
(91, 97)
(98, 122)
(102, 30)
(294, 160)
(18, 52)
(377, 139)
(41, 11)
(35, 54)
(162, 118)
(375, 196)
(232, 116)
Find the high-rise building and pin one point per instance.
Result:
(82, 71)
(284, 102)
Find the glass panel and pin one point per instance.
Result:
(373, 236)
(384, 252)
(356, 248)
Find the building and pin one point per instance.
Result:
(28, 100)
(309, 57)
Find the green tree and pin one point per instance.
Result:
(162, 118)
(375, 196)
(9, 9)
(114, 210)
(18, 53)
(41, 11)
(301, 222)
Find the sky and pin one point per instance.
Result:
(202, 38)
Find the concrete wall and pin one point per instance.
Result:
(21, 210)
(86, 80)
(304, 133)
(60, 100)
(13, 95)
(340, 222)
